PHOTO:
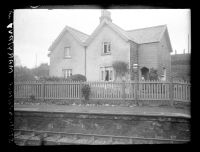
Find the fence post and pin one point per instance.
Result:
(43, 90)
(171, 93)
(80, 91)
(137, 91)
(123, 91)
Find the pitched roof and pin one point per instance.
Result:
(79, 36)
(116, 28)
(140, 36)
(147, 35)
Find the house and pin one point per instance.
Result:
(74, 52)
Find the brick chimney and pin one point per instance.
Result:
(105, 15)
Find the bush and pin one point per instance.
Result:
(121, 68)
(23, 74)
(77, 77)
(86, 91)
(153, 75)
(53, 79)
(32, 97)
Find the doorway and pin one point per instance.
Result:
(145, 73)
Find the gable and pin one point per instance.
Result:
(77, 35)
(112, 26)
(67, 40)
(166, 40)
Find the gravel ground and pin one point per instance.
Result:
(105, 109)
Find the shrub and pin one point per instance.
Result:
(32, 97)
(121, 68)
(53, 79)
(23, 74)
(77, 77)
(86, 91)
(153, 75)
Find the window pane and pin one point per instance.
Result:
(107, 75)
(105, 48)
(65, 73)
(109, 47)
(67, 49)
(111, 74)
(102, 74)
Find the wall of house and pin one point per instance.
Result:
(133, 58)
(120, 50)
(58, 62)
(164, 57)
(147, 56)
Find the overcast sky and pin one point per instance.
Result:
(36, 29)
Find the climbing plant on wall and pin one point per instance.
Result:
(120, 68)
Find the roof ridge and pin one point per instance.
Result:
(146, 28)
(76, 30)
(118, 26)
(125, 32)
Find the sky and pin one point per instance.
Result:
(36, 29)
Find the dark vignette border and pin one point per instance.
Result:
(10, 57)
(70, 4)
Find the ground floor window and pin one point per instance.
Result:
(106, 74)
(67, 73)
(163, 76)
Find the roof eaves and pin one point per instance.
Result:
(170, 45)
(146, 28)
(94, 33)
(154, 41)
(69, 29)
(120, 31)
(161, 35)
(57, 39)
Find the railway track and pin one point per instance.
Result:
(33, 137)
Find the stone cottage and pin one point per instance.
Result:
(74, 52)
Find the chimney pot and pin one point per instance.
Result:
(105, 15)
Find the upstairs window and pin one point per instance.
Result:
(106, 47)
(67, 73)
(67, 52)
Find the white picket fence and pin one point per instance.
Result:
(143, 90)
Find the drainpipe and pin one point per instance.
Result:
(136, 72)
(85, 59)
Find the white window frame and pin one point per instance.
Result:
(107, 45)
(67, 73)
(163, 76)
(67, 52)
(103, 73)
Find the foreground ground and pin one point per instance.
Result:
(106, 109)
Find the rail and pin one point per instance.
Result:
(79, 138)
